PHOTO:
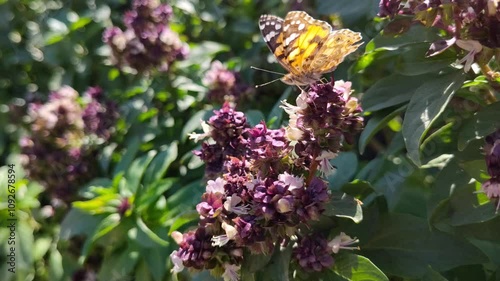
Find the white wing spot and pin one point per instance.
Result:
(278, 26)
(270, 36)
(292, 37)
(301, 26)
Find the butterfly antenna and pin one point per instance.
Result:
(269, 71)
(265, 70)
(267, 83)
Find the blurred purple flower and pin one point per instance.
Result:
(100, 114)
(57, 152)
(148, 42)
(492, 152)
(224, 85)
(196, 250)
(313, 254)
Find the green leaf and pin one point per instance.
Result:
(41, 247)
(432, 275)
(464, 206)
(412, 194)
(151, 194)
(483, 123)
(414, 62)
(254, 263)
(392, 90)
(477, 169)
(487, 230)
(203, 276)
(77, 222)
(254, 117)
(99, 205)
(105, 157)
(358, 189)
(376, 123)
(185, 198)
(160, 163)
(350, 11)
(490, 248)
(56, 269)
(374, 59)
(276, 114)
(425, 106)
(202, 53)
(58, 30)
(103, 228)
(137, 169)
(277, 268)
(357, 268)
(415, 35)
(451, 176)
(80, 23)
(345, 206)
(142, 226)
(346, 164)
(117, 265)
(194, 123)
(132, 146)
(186, 84)
(183, 219)
(25, 242)
(155, 259)
(142, 272)
(403, 245)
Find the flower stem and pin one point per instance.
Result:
(312, 170)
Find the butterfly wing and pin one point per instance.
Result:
(271, 28)
(306, 47)
(336, 47)
(304, 37)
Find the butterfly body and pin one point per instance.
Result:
(307, 48)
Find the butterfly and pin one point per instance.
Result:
(307, 48)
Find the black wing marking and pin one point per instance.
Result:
(271, 27)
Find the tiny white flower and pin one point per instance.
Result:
(293, 133)
(177, 261)
(230, 205)
(283, 206)
(251, 183)
(177, 236)
(351, 105)
(473, 47)
(216, 186)
(343, 86)
(492, 189)
(302, 100)
(325, 167)
(221, 240)
(293, 109)
(292, 181)
(342, 241)
(231, 272)
(207, 130)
